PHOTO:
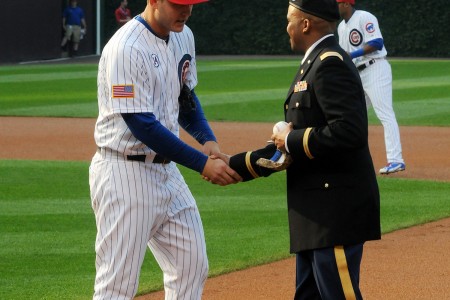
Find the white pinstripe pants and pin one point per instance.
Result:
(138, 205)
(377, 83)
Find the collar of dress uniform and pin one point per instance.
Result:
(313, 46)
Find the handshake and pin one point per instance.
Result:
(223, 169)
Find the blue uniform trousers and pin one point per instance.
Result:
(329, 273)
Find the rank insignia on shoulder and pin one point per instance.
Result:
(331, 54)
(300, 86)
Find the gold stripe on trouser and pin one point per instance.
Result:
(342, 266)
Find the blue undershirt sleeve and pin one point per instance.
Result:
(152, 133)
(376, 43)
(195, 123)
(357, 53)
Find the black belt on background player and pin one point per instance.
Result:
(365, 65)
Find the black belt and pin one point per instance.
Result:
(363, 66)
(158, 159)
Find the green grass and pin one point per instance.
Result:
(48, 229)
(231, 90)
(421, 92)
(47, 232)
(48, 90)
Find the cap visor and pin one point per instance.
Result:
(188, 2)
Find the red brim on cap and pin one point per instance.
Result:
(187, 2)
(346, 1)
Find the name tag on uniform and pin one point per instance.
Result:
(300, 86)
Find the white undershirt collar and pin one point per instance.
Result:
(311, 48)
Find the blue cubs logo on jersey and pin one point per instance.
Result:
(355, 37)
(370, 27)
(183, 68)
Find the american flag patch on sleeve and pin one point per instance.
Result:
(123, 91)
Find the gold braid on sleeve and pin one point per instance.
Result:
(249, 164)
(305, 143)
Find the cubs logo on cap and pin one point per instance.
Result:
(187, 2)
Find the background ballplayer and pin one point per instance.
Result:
(147, 71)
(360, 36)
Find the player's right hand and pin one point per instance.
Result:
(222, 156)
(218, 172)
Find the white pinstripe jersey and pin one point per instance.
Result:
(360, 28)
(139, 72)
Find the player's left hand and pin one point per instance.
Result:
(211, 148)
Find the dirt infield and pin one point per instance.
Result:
(410, 264)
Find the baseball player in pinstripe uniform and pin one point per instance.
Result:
(146, 79)
(360, 36)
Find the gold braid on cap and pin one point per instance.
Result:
(305, 142)
(249, 164)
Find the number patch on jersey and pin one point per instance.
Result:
(155, 60)
(355, 37)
